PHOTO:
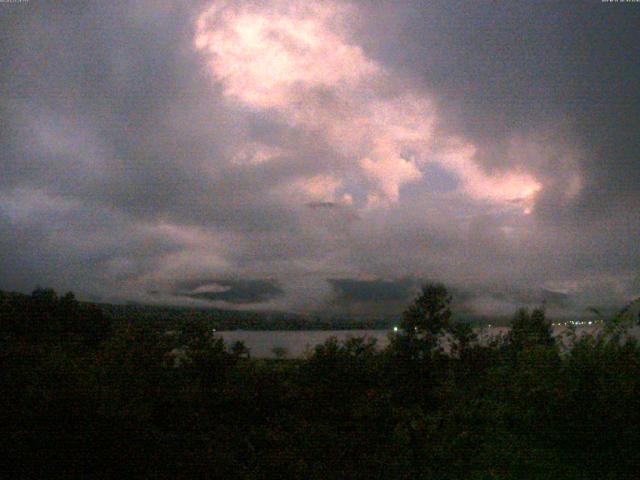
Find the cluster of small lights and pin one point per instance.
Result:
(574, 322)
(555, 324)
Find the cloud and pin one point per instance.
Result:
(298, 61)
(234, 292)
(292, 155)
(350, 290)
(263, 53)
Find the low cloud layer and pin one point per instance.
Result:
(321, 156)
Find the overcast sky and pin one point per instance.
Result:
(322, 156)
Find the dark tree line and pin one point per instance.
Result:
(86, 397)
(46, 317)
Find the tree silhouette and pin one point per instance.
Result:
(430, 312)
(530, 329)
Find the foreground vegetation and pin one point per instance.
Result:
(86, 397)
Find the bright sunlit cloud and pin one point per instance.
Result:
(298, 60)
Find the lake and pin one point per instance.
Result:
(297, 343)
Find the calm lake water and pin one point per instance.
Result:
(299, 343)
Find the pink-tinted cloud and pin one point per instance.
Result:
(299, 60)
(152, 150)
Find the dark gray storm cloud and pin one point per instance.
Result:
(315, 157)
(373, 290)
(231, 291)
(504, 68)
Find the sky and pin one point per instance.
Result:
(322, 157)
